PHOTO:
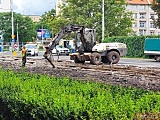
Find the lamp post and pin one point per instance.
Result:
(17, 38)
(42, 33)
(102, 19)
(11, 2)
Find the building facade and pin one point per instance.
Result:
(35, 18)
(5, 5)
(143, 17)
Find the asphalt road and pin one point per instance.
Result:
(123, 61)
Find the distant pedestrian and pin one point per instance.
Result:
(24, 56)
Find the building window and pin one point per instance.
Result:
(130, 7)
(151, 32)
(135, 15)
(142, 15)
(152, 25)
(135, 7)
(142, 7)
(142, 24)
(134, 24)
(151, 16)
(142, 32)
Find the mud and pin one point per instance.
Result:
(140, 77)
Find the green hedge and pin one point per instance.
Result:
(26, 96)
(135, 44)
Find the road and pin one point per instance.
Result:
(123, 61)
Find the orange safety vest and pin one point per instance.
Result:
(23, 52)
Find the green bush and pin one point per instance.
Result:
(135, 44)
(36, 97)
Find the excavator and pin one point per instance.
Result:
(86, 47)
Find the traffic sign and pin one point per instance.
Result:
(13, 40)
(15, 46)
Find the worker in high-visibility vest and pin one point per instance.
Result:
(24, 56)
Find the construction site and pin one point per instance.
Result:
(147, 78)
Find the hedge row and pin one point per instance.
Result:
(26, 96)
(135, 44)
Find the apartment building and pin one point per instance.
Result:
(143, 17)
(5, 6)
(35, 18)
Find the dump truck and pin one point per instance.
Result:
(152, 48)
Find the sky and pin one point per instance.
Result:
(33, 7)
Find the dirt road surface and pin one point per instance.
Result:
(126, 75)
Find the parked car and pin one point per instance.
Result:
(32, 49)
(60, 50)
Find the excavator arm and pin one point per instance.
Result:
(65, 31)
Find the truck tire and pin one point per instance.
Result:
(157, 58)
(113, 57)
(96, 58)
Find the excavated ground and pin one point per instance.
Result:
(139, 77)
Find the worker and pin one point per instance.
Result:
(24, 56)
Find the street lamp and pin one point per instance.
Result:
(17, 38)
(11, 2)
(42, 33)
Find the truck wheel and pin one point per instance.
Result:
(113, 57)
(157, 58)
(96, 58)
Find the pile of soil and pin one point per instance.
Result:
(140, 77)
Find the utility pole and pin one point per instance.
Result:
(102, 19)
(42, 33)
(12, 21)
(17, 38)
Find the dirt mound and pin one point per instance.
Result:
(145, 78)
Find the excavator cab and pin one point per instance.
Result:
(85, 40)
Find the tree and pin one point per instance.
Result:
(47, 19)
(50, 21)
(89, 13)
(156, 7)
(26, 27)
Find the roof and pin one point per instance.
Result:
(139, 2)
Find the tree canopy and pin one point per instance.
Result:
(156, 7)
(26, 27)
(89, 13)
(50, 21)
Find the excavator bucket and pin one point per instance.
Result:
(48, 55)
(50, 61)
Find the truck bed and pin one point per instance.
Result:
(152, 46)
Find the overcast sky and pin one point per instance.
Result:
(33, 7)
